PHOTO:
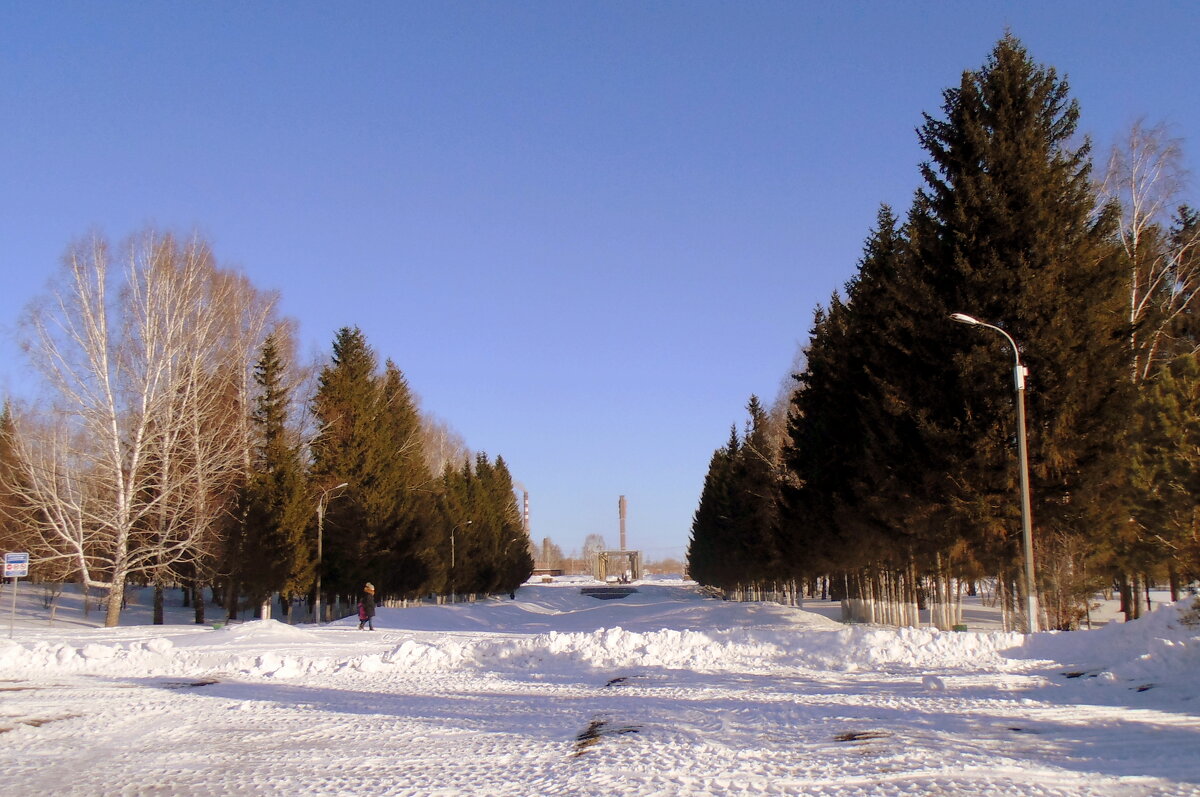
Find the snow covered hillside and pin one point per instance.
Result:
(664, 692)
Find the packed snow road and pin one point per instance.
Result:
(661, 693)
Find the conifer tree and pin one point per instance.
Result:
(710, 545)
(735, 531)
(816, 535)
(346, 450)
(274, 552)
(1181, 291)
(388, 526)
(514, 563)
(491, 548)
(1166, 478)
(399, 500)
(756, 479)
(1008, 230)
(456, 513)
(900, 451)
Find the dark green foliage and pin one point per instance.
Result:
(757, 477)
(852, 503)
(1008, 230)
(1183, 329)
(735, 537)
(512, 551)
(491, 551)
(901, 449)
(392, 523)
(1166, 478)
(712, 539)
(401, 502)
(345, 451)
(273, 552)
(379, 528)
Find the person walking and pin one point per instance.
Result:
(366, 608)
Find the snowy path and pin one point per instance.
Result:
(688, 697)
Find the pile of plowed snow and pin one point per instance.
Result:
(554, 631)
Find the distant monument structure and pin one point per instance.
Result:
(623, 565)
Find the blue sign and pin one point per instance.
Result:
(16, 565)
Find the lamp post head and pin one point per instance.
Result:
(963, 318)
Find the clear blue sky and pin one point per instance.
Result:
(587, 232)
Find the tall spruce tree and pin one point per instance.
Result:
(346, 450)
(1184, 251)
(901, 435)
(735, 539)
(400, 500)
(1166, 478)
(514, 563)
(712, 537)
(274, 550)
(852, 511)
(479, 511)
(1008, 230)
(817, 537)
(756, 478)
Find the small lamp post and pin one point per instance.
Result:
(453, 585)
(1020, 372)
(321, 504)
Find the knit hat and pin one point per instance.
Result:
(370, 587)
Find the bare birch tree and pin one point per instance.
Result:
(147, 368)
(441, 445)
(1146, 177)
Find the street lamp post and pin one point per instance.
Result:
(453, 585)
(321, 504)
(1020, 372)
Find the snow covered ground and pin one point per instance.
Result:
(662, 693)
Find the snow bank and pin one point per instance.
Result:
(619, 649)
(1160, 651)
(257, 632)
(880, 648)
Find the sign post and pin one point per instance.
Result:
(15, 566)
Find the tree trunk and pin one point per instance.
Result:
(159, 613)
(116, 594)
(1127, 603)
(231, 601)
(198, 602)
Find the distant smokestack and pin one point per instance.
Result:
(622, 505)
(525, 515)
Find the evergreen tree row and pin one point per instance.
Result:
(898, 474)
(386, 519)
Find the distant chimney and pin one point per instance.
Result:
(525, 512)
(622, 505)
